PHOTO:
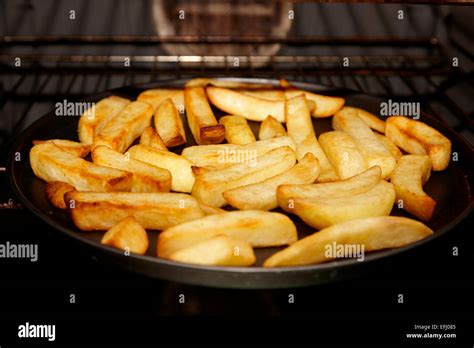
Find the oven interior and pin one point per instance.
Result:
(51, 50)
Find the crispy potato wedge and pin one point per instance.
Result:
(418, 138)
(151, 138)
(273, 94)
(369, 119)
(201, 119)
(201, 170)
(349, 187)
(390, 145)
(258, 228)
(208, 187)
(155, 97)
(127, 235)
(73, 147)
(300, 129)
(250, 107)
(182, 177)
(217, 251)
(55, 191)
(375, 233)
(208, 210)
(91, 211)
(169, 125)
(343, 154)
(408, 178)
(271, 128)
(326, 106)
(225, 155)
(262, 195)
(237, 130)
(121, 131)
(146, 177)
(203, 82)
(94, 119)
(374, 152)
(51, 163)
(269, 94)
(311, 105)
(322, 212)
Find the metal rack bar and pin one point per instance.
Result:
(12, 90)
(326, 69)
(382, 82)
(376, 60)
(426, 105)
(458, 112)
(22, 118)
(465, 119)
(357, 83)
(392, 41)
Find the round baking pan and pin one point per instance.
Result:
(452, 189)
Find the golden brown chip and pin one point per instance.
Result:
(94, 119)
(250, 107)
(151, 138)
(146, 177)
(271, 128)
(300, 129)
(263, 195)
(96, 211)
(74, 148)
(121, 131)
(408, 178)
(169, 125)
(209, 187)
(418, 138)
(372, 234)
(201, 119)
(217, 251)
(258, 228)
(326, 211)
(237, 130)
(51, 163)
(374, 152)
(343, 154)
(127, 235)
(55, 191)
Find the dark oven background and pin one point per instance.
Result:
(53, 50)
(76, 48)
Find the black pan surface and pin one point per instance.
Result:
(452, 189)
